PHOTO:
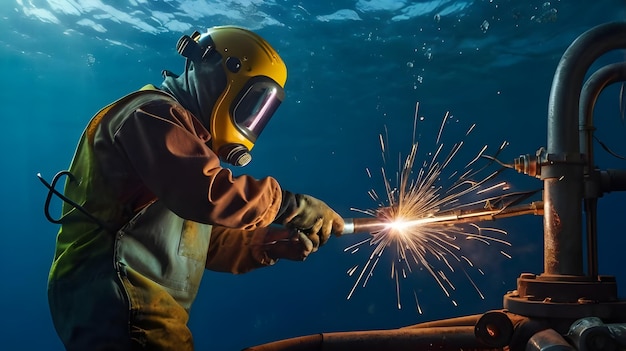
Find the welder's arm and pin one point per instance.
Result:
(312, 216)
(239, 251)
(167, 147)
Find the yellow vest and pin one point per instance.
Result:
(155, 243)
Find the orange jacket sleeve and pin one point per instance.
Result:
(167, 147)
(237, 251)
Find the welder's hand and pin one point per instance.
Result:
(281, 242)
(314, 218)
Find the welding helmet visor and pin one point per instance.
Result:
(256, 105)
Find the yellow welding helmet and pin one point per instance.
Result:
(255, 79)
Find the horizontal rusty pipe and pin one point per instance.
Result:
(464, 321)
(436, 338)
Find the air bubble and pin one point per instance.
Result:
(484, 26)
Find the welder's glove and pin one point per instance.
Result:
(290, 244)
(310, 216)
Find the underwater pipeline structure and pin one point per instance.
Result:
(565, 307)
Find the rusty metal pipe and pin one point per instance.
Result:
(434, 338)
(563, 175)
(466, 321)
(596, 83)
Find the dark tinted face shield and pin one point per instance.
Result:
(255, 106)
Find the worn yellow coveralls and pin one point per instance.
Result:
(128, 282)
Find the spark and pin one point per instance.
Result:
(420, 211)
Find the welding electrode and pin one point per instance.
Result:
(362, 225)
(372, 224)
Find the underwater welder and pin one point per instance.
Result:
(148, 206)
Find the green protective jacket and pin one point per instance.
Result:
(167, 210)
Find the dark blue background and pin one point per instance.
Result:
(348, 79)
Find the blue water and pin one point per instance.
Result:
(355, 67)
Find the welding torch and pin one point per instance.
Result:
(374, 224)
